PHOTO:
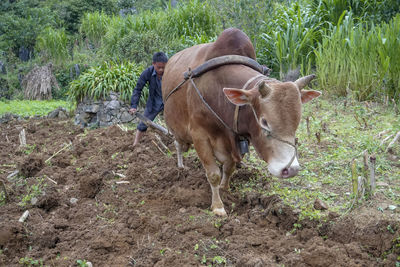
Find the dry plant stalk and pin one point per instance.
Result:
(366, 173)
(318, 136)
(55, 154)
(158, 147)
(391, 144)
(161, 142)
(22, 138)
(308, 126)
(372, 160)
(3, 187)
(39, 82)
(354, 177)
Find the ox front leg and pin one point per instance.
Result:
(180, 148)
(227, 169)
(205, 153)
(179, 154)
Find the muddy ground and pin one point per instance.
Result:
(102, 201)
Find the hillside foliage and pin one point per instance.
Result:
(350, 45)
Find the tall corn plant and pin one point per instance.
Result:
(360, 59)
(52, 44)
(117, 28)
(97, 82)
(190, 21)
(94, 27)
(191, 18)
(289, 38)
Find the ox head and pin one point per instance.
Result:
(276, 115)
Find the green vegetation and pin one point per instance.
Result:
(30, 108)
(32, 191)
(98, 82)
(28, 261)
(81, 263)
(342, 139)
(343, 67)
(350, 45)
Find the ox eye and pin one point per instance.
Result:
(264, 124)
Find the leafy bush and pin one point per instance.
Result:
(52, 45)
(94, 26)
(97, 82)
(139, 36)
(361, 59)
(190, 19)
(71, 11)
(21, 24)
(374, 11)
(289, 38)
(139, 47)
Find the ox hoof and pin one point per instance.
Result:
(181, 166)
(219, 211)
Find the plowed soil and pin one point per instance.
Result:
(101, 200)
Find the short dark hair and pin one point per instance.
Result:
(160, 57)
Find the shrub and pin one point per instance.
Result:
(138, 36)
(361, 59)
(289, 38)
(52, 44)
(94, 26)
(97, 82)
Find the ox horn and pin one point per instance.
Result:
(304, 81)
(264, 89)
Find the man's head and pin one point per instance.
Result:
(159, 62)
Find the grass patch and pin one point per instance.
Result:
(326, 163)
(29, 108)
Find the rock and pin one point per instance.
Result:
(114, 104)
(73, 200)
(319, 205)
(182, 210)
(34, 200)
(392, 207)
(60, 112)
(92, 108)
(62, 115)
(102, 113)
(24, 216)
(8, 117)
(126, 117)
(114, 96)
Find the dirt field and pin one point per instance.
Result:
(102, 201)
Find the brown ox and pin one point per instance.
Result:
(268, 117)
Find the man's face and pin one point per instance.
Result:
(159, 67)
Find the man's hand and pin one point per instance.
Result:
(132, 111)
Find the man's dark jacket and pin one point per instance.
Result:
(154, 102)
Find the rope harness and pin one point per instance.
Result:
(225, 60)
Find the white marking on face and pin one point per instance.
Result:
(281, 157)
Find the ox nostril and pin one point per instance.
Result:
(285, 172)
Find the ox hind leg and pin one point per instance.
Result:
(228, 167)
(213, 173)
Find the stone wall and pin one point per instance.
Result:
(112, 110)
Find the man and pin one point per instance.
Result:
(152, 75)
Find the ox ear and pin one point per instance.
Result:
(264, 89)
(308, 95)
(238, 97)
